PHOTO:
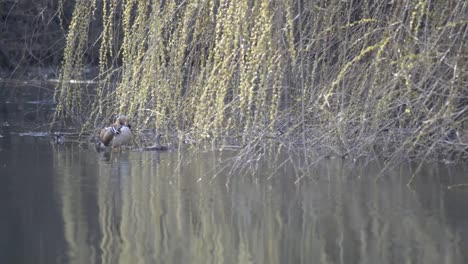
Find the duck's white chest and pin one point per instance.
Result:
(123, 138)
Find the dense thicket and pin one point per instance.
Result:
(346, 77)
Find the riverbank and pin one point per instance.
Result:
(320, 141)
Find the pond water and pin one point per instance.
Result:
(71, 204)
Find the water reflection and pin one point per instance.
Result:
(148, 207)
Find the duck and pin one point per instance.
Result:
(157, 145)
(117, 135)
(59, 139)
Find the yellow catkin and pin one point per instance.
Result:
(343, 71)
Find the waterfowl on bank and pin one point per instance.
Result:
(117, 135)
(59, 139)
(157, 144)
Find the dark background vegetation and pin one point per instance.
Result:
(32, 37)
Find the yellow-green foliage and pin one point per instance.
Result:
(340, 72)
(69, 96)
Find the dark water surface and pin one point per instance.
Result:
(70, 204)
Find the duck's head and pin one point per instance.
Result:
(121, 120)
